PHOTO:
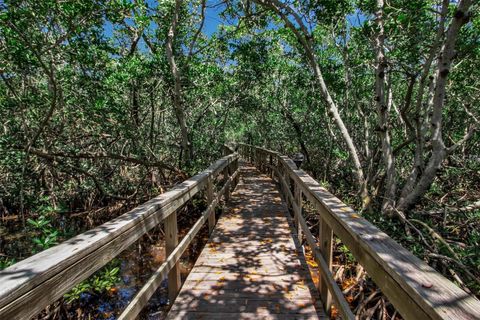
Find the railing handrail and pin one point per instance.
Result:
(228, 149)
(31, 284)
(415, 289)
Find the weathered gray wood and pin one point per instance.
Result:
(227, 150)
(413, 287)
(235, 168)
(325, 246)
(404, 279)
(184, 315)
(252, 262)
(210, 195)
(327, 279)
(171, 242)
(298, 210)
(226, 174)
(322, 254)
(142, 297)
(41, 279)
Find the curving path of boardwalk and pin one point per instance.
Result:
(252, 266)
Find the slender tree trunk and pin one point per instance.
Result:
(135, 103)
(177, 92)
(439, 151)
(305, 38)
(298, 130)
(409, 130)
(383, 112)
(418, 162)
(152, 119)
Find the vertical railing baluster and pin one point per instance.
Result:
(171, 242)
(210, 196)
(226, 175)
(271, 165)
(298, 211)
(325, 246)
(264, 162)
(237, 177)
(286, 179)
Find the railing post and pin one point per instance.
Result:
(325, 246)
(210, 196)
(286, 179)
(271, 166)
(171, 241)
(226, 176)
(262, 161)
(280, 179)
(256, 159)
(298, 212)
(235, 168)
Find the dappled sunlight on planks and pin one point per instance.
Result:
(253, 266)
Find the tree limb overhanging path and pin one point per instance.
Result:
(253, 266)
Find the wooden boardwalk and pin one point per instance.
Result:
(252, 266)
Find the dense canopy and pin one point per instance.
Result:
(113, 101)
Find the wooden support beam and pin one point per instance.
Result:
(210, 197)
(43, 278)
(171, 242)
(142, 297)
(326, 274)
(270, 162)
(415, 289)
(325, 236)
(226, 175)
(298, 211)
(237, 177)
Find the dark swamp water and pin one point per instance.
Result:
(136, 264)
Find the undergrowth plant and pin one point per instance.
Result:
(48, 235)
(99, 283)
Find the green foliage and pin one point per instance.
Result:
(42, 223)
(87, 101)
(77, 291)
(102, 281)
(48, 235)
(6, 262)
(106, 280)
(344, 249)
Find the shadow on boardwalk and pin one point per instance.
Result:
(252, 267)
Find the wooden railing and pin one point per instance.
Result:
(415, 289)
(27, 287)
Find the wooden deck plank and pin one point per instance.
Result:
(271, 291)
(252, 266)
(184, 315)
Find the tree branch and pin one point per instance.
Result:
(96, 156)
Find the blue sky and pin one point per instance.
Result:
(213, 19)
